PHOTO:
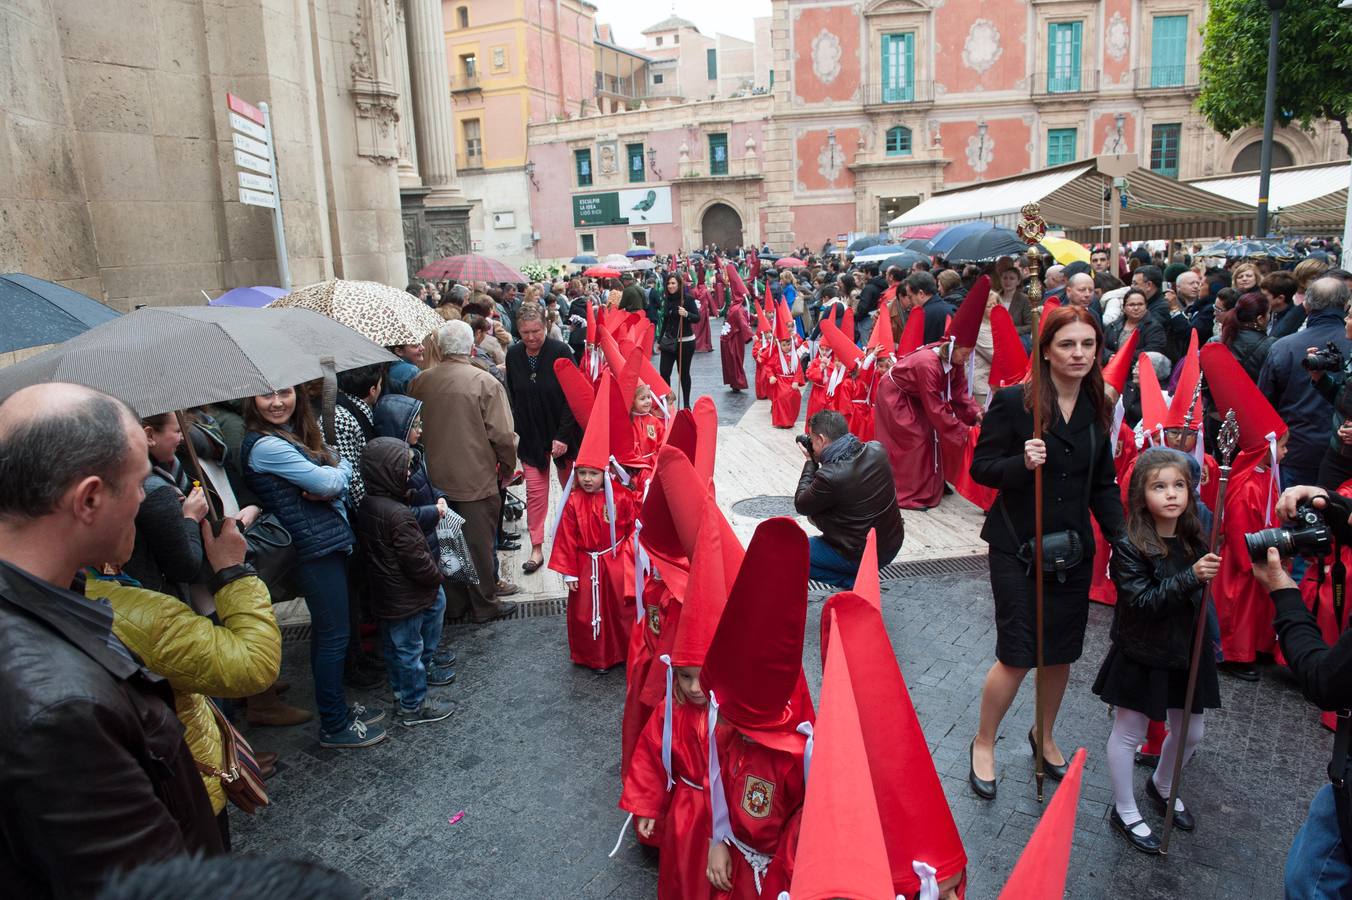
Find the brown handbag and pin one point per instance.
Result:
(240, 776)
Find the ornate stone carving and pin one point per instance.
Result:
(830, 161)
(1117, 37)
(449, 239)
(982, 47)
(605, 159)
(980, 152)
(373, 81)
(826, 55)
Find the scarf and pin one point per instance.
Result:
(842, 447)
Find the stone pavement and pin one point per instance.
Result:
(532, 759)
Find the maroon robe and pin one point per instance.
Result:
(704, 342)
(1244, 608)
(920, 408)
(732, 347)
(786, 395)
(581, 548)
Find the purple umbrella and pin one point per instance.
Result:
(255, 297)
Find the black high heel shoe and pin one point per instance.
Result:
(1055, 773)
(982, 788)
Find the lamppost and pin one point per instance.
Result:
(652, 161)
(1120, 120)
(530, 173)
(980, 148)
(831, 152)
(1269, 116)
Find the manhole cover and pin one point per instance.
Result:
(764, 507)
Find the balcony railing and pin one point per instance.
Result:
(916, 92)
(742, 167)
(1062, 84)
(1168, 78)
(464, 82)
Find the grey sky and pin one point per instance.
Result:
(728, 16)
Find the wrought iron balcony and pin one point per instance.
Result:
(887, 95)
(1057, 84)
(1168, 78)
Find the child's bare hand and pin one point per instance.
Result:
(645, 827)
(720, 866)
(1206, 568)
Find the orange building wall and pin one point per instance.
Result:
(1105, 133)
(1006, 149)
(992, 37)
(833, 73)
(811, 150)
(1117, 29)
(814, 224)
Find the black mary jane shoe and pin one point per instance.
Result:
(1244, 671)
(1149, 844)
(982, 788)
(1183, 819)
(1055, 773)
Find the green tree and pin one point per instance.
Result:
(1314, 65)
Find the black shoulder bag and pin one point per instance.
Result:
(1061, 550)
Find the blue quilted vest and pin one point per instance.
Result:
(316, 527)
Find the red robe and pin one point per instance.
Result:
(819, 374)
(1101, 589)
(703, 338)
(581, 551)
(1244, 608)
(863, 393)
(649, 432)
(786, 396)
(764, 790)
(759, 353)
(732, 347)
(683, 810)
(919, 409)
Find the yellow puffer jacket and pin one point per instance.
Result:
(200, 659)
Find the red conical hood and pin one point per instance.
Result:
(1047, 308)
(595, 450)
(847, 326)
(1153, 410)
(577, 390)
(706, 591)
(1231, 388)
(1119, 366)
(783, 322)
(840, 843)
(917, 821)
(1184, 387)
(762, 321)
(966, 324)
(866, 583)
(610, 349)
(706, 432)
(912, 333)
(671, 515)
(629, 377)
(881, 336)
(615, 359)
(735, 283)
(591, 322)
(755, 661)
(1040, 872)
(842, 348)
(681, 433)
(1009, 361)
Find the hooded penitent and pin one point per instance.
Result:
(1009, 361)
(912, 333)
(1118, 368)
(966, 322)
(577, 390)
(1231, 388)
(880, 341)
(843, 348)
(1040, 872)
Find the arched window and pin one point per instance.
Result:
(1247, 160)
(462, 16)
(899, 141)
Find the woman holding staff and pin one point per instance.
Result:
(1077, 477)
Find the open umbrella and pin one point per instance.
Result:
(385, 314)
(254, 297)
(583, 260)
(903, 259)
(944, 241)
(924, 232)
(768, 254)
(986, 245)
(37, 312)
(1251, 248)
(868, 240)
(1065, 251)
(160, 359)
(919, 245)
(790, 262)
(472, 267)
(639, 253)
(876, 252)
(602, 272)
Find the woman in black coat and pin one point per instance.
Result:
(1077, 478)
(679, 313)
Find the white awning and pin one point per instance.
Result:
(997, 202)
(1296, 184)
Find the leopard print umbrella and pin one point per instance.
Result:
(386, 315)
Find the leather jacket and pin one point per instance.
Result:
(845, 498)
(1157, 600)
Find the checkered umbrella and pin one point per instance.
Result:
(472, 267)
(386, 315)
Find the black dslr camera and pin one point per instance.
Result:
(805, 441)
(1330, 359)
(1306, 535)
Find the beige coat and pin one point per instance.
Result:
(467, 428)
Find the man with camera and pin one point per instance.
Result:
(1319, 863)
(845, 490)
(1293, 379)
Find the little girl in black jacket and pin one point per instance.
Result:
(1159, 569)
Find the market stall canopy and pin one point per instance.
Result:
(1072, 198)
(1309, 198)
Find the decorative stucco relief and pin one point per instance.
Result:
(826, 54)
(980, 152)
(982, 47)
(1117, 37)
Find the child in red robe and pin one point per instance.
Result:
(786, 373)
(830, 383)
(760, 354)
(591, 547)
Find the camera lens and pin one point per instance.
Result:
(1259, 541)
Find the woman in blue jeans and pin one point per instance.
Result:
(302, 480)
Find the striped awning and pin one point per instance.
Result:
(1310, 198)
(1073, 197)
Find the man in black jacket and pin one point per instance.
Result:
(94, 773)
(923, 292)
(869, 295)
(846, 490)
(1163, 330)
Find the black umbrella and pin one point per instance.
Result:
(986, 246)
(868, 240)
(919, 245)
(37, 312)
(1241, 249)
(903, 259)
(770, 255)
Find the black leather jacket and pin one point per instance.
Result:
(846, 498)
(1156, 604)
(94, 772)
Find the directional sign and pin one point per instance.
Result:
(252, 129)
(255, 182)
(249, 145)
(255, 151)
(253, 163)
(244, 108)
(257, 198)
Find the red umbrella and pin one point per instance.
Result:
(472, 267)
(922, 231)
(790, 262)
(602, 272)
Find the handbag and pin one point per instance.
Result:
(1062, 551)
(455, 561)
(797, 308)
(240, 776)
(666, 343)
(271, 553)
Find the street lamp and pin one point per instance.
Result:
(530, 173)
(981, 148)
(1121, 120)
(1269, 116)
(831, 152)
(652, 161)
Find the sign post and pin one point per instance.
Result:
(256, 159)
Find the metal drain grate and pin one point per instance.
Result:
(765, 506)
(529, 609)
(300, 632)
(925, 568)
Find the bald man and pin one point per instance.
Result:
(94, 774)
(1080, 290)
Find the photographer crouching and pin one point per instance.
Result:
(845, 490)
(1319, 863)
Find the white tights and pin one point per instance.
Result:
(1129, 728)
